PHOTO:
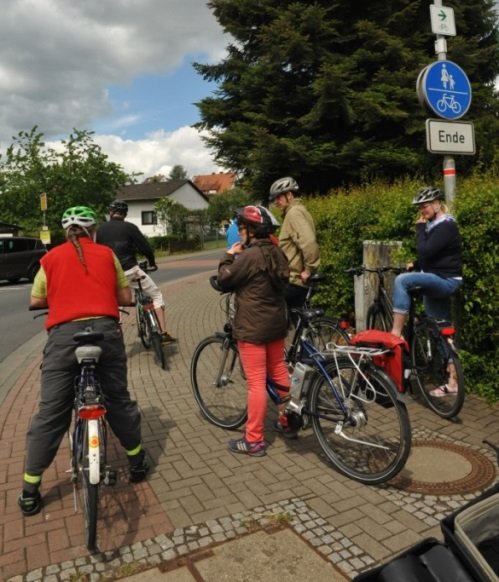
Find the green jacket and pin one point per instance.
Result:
(298, 242)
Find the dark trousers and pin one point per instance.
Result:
(59, 370)
(295, 298)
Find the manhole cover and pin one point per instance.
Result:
(440, 468)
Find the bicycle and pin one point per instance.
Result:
(88, 435)
(431, 356)
(148, 326)
(357, 416)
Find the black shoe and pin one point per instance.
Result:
(30, 504)
(286, 432)
(139, 468)
(166, 338)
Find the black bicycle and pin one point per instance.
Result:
(88, 437)
(432, 360)
(357, 416)
(148, 326)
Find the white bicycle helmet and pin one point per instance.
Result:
(80, 216)
(428, 195)
(282, 186)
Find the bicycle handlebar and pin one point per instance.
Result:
(360, 270)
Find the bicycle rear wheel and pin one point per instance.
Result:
(90, 492)
(218, 382)
(143, 328)
(433, 363)
(372, 442)
(326, 330)
(159, 352)
(376, 319)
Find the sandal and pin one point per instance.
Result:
(442, 391)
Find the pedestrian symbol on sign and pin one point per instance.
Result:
(446, 89)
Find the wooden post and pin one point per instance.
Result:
(375, 254)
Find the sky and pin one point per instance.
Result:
(120, 68)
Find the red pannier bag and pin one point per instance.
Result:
(392, 361)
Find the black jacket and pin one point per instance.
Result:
(439, 248)
(126, 240)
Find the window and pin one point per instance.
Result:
(149, 217)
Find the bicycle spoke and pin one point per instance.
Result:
(218, 383)
(371, 444)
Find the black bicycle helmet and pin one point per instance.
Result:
(282, 186)
(119, 206)
(428, 194)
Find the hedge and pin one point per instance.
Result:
(381, 211)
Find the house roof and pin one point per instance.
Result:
(215, 183)
(6, 227)
(155, 190)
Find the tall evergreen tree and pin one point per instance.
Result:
(325, 90)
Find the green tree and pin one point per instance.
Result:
(222, 206)
(172, 216)
(80, 174)
(325, 90)
(178, 172)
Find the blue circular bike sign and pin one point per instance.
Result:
(446, 89)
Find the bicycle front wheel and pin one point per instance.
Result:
(371, 441)
(326, 330)
(437, 371)
(376, 319)
(218, 382)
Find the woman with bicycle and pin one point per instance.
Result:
(82, 284)
(258, 279)
(438, 266)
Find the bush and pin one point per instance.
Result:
(380, 211)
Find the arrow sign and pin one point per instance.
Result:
(442, 20)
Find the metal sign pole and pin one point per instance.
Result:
(449, 166)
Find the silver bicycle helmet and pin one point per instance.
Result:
(428, 195)
(282, 186)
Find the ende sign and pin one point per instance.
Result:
(444, 137)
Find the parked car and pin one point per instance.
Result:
(20, 257)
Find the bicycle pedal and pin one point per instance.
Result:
(110, 477)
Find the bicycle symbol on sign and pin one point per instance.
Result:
(448, 102)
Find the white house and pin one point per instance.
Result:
(141, 198)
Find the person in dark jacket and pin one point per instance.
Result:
(258, 278)
(437, 269)
(126, 240)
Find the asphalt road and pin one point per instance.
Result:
(17, 324)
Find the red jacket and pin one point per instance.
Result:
(74, 292)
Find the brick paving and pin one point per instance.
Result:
(199, 493)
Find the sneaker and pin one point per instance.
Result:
(139, 468)
(285, 431)
(443, 391)
(30, 504)
(244, 447)
(166, 338)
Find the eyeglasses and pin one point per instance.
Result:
(425, 205)
(242, 227)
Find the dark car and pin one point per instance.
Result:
(20, 257)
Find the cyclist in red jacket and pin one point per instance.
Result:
(82, 284)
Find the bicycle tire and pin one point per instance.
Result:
(326, 330)
(430, 358)
(375, 447)
(218, 382)
(90, 493)
(159, 353)
(375, 319)
(143, 328)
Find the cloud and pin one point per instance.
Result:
(58, 58)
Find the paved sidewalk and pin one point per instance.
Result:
(206, 514)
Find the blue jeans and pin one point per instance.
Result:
(436, 291)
